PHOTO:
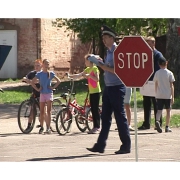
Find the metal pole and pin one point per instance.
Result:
(135, 123)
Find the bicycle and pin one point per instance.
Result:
(81, 114)
(30, 108)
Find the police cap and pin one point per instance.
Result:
(106, 30)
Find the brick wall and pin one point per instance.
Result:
(37, 38)
(60, 47)
(26, 42)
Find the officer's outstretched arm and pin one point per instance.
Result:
(106, 68)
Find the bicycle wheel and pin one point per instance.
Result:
(56, 106)
(26, 114)
(63, 121)
(89, 119)
(80, 121)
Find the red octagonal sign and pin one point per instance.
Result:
(133, 61)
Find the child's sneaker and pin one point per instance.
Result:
(48, 131)
(94, 131)
(159, 129)
(167, 129)
(41, 130)
(27, 129)
(130, 128)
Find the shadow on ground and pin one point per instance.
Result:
(67, 157)
(9, 111)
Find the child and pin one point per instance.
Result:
(27, 79)
(127, 106)
(127, 102)
(164, 88)
(92, 75)
(46, 93)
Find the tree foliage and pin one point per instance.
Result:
(89, 28)
(172, 52)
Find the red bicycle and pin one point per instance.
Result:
(81, 114)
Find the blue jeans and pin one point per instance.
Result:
(113, 101)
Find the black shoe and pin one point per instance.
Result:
(158, 127)
(122, 151)
(143, 127)
(27, 129)
(155, 128)
(94, 149)
(41, 130)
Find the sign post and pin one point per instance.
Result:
(133, 64)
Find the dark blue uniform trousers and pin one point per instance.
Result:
(113, 101)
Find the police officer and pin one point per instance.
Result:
(113, 99)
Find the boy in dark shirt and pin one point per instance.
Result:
(31, 75)
(28, 78)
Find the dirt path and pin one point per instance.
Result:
(6, 85)
(19, 147)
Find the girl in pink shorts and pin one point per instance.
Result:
(46, 93)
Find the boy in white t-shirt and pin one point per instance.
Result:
(164, 88)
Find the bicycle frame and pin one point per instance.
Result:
(72, 104)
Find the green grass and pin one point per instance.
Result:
(139, 99)
(174, 121)
(13, 97)
(9, 80)
(17, 94)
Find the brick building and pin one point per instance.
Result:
(37, 38)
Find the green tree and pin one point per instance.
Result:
(172, 51)
(88, 29)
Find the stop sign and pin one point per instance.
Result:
(133, 61)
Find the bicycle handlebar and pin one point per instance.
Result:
(67, 74)
(71, 82)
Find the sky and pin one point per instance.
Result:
(93, 9)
